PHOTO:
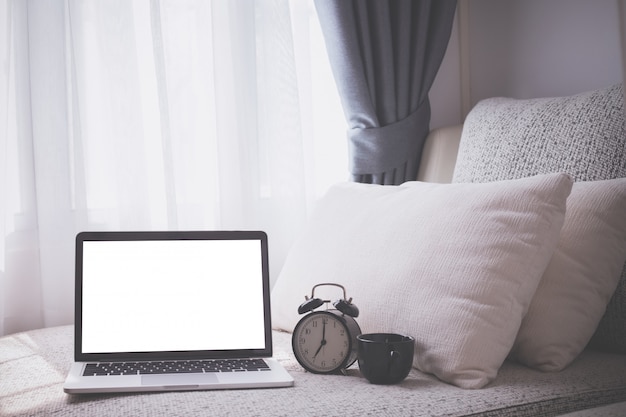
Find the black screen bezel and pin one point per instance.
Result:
(82, 237)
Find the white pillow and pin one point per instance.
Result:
(580, 278)
(454, 265)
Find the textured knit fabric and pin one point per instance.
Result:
(583, 135)
(33, 366)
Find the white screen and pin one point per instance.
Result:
(157, 295)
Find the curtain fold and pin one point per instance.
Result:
(385, 55)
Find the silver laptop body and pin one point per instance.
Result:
(177, 310)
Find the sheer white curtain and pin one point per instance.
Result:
(154, 115)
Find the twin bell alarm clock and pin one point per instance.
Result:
(325, 341)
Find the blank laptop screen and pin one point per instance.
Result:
(172, 295)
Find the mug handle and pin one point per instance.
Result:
(394, 356)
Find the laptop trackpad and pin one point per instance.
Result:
(178, 379)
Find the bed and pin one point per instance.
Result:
(33, 364)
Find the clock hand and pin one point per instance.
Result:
(323, 339)
(319, 348)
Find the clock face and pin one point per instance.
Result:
(322, 343)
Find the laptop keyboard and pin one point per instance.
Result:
(175, 367)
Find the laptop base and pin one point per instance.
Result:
(75, 383)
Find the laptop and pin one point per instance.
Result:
(177, 310)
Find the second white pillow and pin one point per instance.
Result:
(580, 278)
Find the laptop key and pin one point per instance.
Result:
(175, 367)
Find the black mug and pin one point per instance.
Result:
(385, 358)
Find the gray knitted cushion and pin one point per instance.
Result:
(583, 135)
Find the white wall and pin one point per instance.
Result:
(445, 94)
(525, 49)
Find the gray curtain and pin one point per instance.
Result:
(385, 55)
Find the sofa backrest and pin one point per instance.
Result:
(439, 154)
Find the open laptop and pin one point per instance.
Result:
(179, 310)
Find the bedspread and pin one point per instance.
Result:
(33, 366)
